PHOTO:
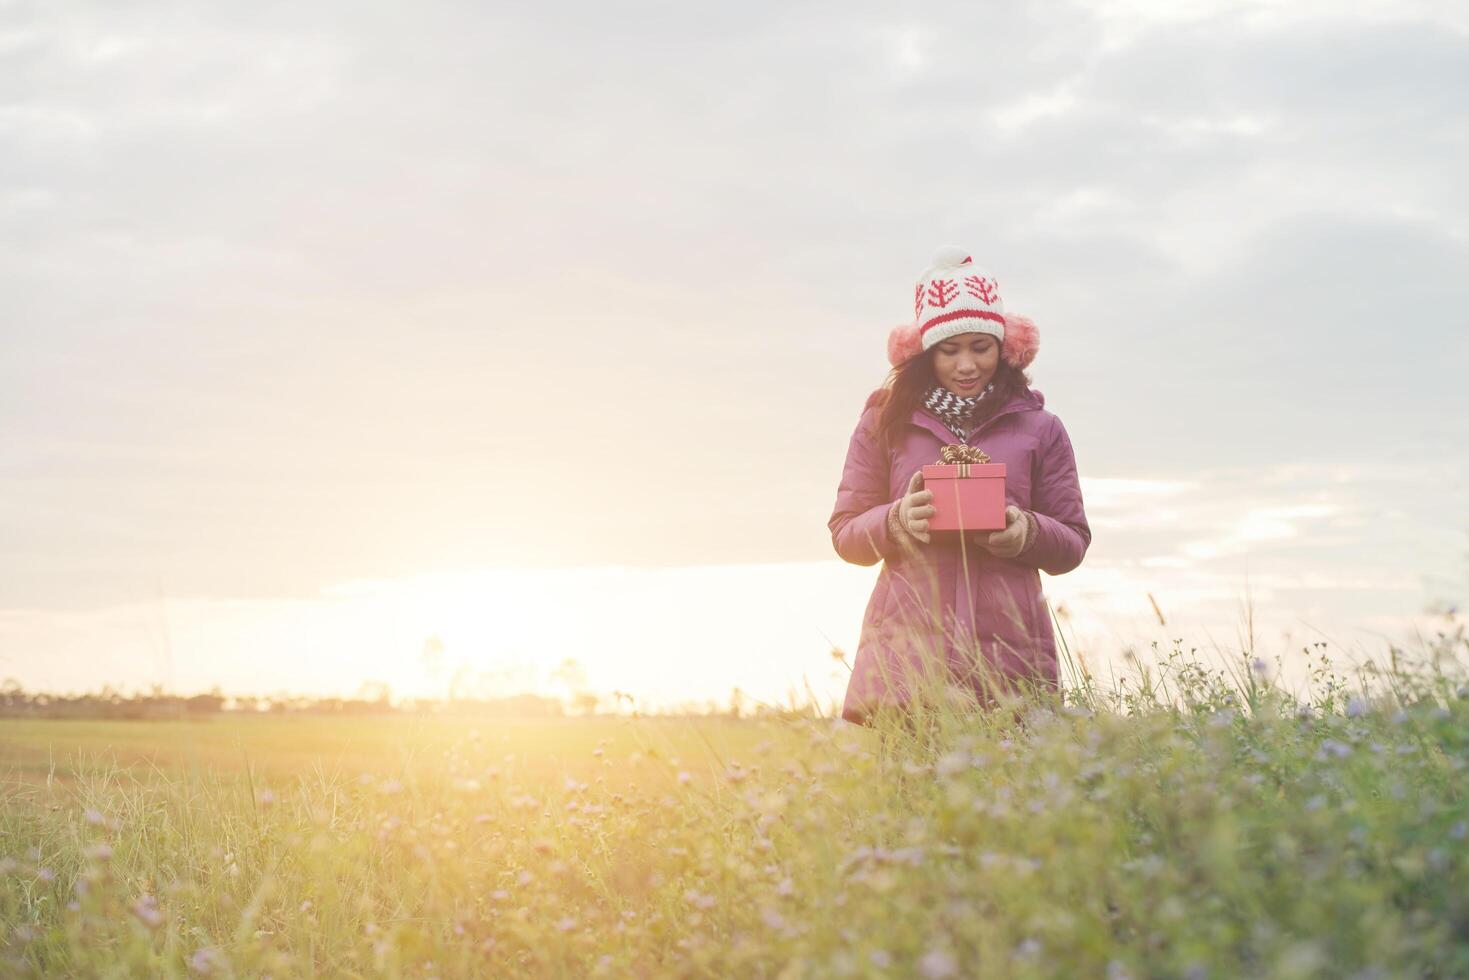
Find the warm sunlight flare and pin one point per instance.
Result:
(734, 489)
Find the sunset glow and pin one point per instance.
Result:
(318, 346)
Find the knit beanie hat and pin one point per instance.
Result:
(956, 296)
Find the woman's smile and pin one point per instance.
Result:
(974, 352)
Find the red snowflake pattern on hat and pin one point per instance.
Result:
(981, 288)
(941, 292)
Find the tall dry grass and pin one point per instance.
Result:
(1198, 821)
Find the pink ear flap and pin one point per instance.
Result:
(1022, 340)
(903, 343)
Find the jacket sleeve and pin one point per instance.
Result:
(859, 525)
(1062, 533)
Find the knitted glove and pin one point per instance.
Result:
(912, 510)
(896, 531)
(1020, 529)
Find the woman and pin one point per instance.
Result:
(964, 611)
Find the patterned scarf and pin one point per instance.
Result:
(955, 411)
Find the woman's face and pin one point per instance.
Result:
(965, 363)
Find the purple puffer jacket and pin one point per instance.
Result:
(950, 602)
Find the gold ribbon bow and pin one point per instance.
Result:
(962, 456)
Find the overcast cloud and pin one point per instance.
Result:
(297, 294)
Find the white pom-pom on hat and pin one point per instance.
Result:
(950, 257)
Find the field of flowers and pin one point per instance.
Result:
(1190, 823)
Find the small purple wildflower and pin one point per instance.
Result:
(937, 964)
(207, 961)
(145, 908)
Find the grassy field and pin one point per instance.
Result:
(1190, 825)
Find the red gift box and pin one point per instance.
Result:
(966, 496)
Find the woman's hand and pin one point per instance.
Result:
(915, 508)
(1011, 541)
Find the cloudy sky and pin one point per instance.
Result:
(321, 315)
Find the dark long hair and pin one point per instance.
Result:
(903, 389)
